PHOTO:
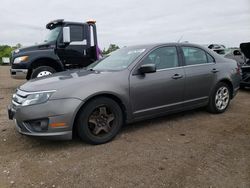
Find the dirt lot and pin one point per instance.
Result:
(191, 149)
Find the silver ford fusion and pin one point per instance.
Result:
(132, 84)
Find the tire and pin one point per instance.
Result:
(42, 71)
(219, 99)
(99, 121)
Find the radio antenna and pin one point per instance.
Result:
(180, 39)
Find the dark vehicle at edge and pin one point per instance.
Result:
(245, 68)
(132, 84)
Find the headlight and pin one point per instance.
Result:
(20, 59)
(37, 98)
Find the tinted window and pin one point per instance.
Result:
(194, 56)
(164, 57)
(76, 33)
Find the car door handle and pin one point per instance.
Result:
(214, 70)
(177, 76)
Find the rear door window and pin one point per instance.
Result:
(194, 56)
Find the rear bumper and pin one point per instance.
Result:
(18, 73)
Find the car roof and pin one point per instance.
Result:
(167, 43)
(148, 47)
(153, 45)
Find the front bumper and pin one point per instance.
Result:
(37, 120)
(18, 73)
(61, 135)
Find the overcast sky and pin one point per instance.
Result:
(129, 22)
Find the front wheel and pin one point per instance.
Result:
(219, 99)
(99, 121)
(42, 71)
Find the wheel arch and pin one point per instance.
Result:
(229, 83)
(44, 61)
(112, 96)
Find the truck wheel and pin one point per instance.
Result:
(219, 99)
(42, 71)
(99, 121)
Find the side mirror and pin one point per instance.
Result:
(147, 68)
(66, 35)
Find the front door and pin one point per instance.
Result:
(161, 91)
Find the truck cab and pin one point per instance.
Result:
(68, 45)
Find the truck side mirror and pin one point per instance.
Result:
(66, 35)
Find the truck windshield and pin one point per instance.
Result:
(53, 34)
(117, 60)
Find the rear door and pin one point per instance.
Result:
(162, 90)
(201, 72)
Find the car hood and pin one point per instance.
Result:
(245, 48)
(42, 46)
(71, 83)
(59, 80)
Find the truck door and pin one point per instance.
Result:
(75, 53)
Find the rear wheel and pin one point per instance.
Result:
(42, 71)
(99, 121)
(220, 98)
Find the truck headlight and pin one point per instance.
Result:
(20, 59)
(37, 98)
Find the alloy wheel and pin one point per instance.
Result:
(222, 98)
(101, 121)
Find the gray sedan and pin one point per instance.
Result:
(132, 84)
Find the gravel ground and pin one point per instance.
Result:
(191, 149)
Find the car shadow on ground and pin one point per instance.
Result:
(127, 128)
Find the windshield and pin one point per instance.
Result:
(117, 60)
(53, 34)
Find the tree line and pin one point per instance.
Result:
(5, 50)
